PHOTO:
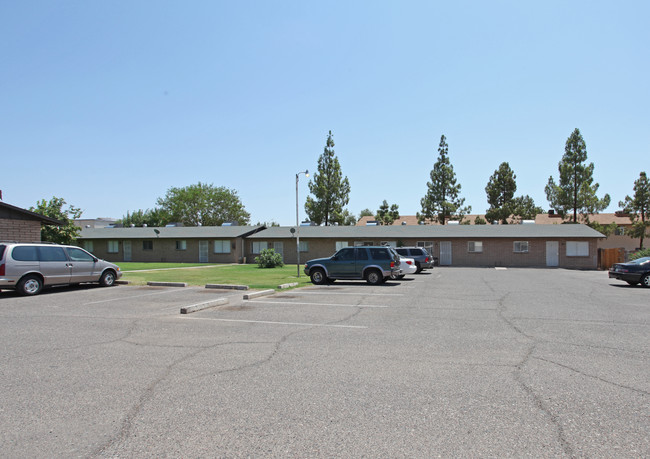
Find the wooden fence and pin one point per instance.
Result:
(607, 257)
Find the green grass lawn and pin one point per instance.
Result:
(201, 274)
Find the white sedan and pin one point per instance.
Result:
(406, 266)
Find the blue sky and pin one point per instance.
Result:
(110, 103)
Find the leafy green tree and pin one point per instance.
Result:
(386, 215)
(638, 206)
(330, 189)
(576, 192)
(66, 234)
(149, 217)
(524, 208)
(605, 230)
(347, 218)
(441, 201)
(366, 213)
(480, 220)
(203, 204)
(500, 193)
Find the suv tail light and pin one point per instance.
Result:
(426, 260)
(409, 262)
(392, 264)
(2, 269)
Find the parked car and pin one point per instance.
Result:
(27, 268)
(407, 266)
(423, 260)
(374, 264)
(633, 272)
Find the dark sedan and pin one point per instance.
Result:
(632, 272)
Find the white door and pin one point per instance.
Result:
(203, 251)
(552, 253)
(445, 253)
(279, 248)
(126, 247)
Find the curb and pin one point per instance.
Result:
(122, 282)
(167, 284)
(249, 296)
(227, 286)
(204, 305)
(292, 284)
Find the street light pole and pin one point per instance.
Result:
(306, 172)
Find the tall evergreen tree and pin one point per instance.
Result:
(638, 206)
(500, 193)
(575, 192)
(330, 189)
(441, 201)
(386, 215)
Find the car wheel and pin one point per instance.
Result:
(107, 279)
(29, 285)
(318, 277)
(374, 277)
(645, 281)
(419, 268)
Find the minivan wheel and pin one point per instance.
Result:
(107, 279)
(318, 277)
(29, 285)
(374, 277)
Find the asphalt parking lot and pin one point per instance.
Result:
(460, 362)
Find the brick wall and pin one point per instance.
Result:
(20, 230)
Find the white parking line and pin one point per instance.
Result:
(274, 323)
(318, 304)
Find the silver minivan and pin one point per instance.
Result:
(27, 268)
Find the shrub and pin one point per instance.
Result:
(640, 253)
(269, 259)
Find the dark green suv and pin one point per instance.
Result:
(374, 264)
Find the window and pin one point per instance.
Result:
(380, 254)
(620, 231)
(79, 255)
(577, 248)
(25, 253)
(259, 246)
(222, 246)
(147, 245)
(520, 247)
(112, 246)
(52, 254)
(346, 254)
(181, 245)
(304, 246)
(88, 245)
(426, 245)
(341, 244)
(361, 254)
(475, 246)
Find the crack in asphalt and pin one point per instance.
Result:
(518, 376)
(127, 423)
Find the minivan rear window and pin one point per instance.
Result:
(24, 253)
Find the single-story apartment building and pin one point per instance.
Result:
(523, 245)
(179, 244)
(21, 225)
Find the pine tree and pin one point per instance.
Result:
(575, 192)
(441, 201)
(638, 206)
(386, 215)
(500, 193)
(330, 189)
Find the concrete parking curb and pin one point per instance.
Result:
(292, 284)
(204, 305)
(167, 284)
(227, 286)
(122, 282)
(249, 296)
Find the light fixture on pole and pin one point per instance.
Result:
(306, 172)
